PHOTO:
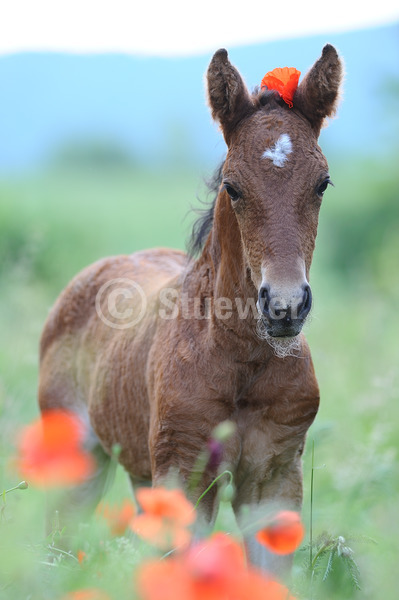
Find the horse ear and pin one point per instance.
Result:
(228, 96)
(317, 95)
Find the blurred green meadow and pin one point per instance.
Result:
(54, 223)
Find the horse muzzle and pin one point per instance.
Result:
(284, 313)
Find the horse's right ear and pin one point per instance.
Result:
(228, 96)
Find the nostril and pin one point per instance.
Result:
(306, 304)
(264, 299)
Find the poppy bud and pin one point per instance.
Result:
(228, 493)
(215, 449)
(223, 431)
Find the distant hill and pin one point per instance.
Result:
(155, 109)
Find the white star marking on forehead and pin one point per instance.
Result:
(279, 152)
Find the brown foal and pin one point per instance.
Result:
(155, 349)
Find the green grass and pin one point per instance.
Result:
(53, 225)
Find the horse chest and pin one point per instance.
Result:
(272, 413)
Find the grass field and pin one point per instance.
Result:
(53, 224)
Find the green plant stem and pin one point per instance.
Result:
(212, 484)
(198, 470)
(311, 526)
(60, 551)
(311, 511)
(319, 553)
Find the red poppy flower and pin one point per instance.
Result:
(166, 518)
(211, 570)
(166, 579)
(117, 517)
(284, 534)
(50, 452)
(284, 81)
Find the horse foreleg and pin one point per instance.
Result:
(255, 501)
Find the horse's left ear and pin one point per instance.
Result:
(317, 95)
(228, 95)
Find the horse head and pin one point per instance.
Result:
(273, 180)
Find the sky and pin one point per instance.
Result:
(175, 27)
(155, 108)
(87, 70)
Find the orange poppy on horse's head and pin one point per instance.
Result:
(284, 81)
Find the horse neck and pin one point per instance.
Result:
(226, 252)
(222, 263)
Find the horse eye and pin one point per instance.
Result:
(323, 186)
(234, 195)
